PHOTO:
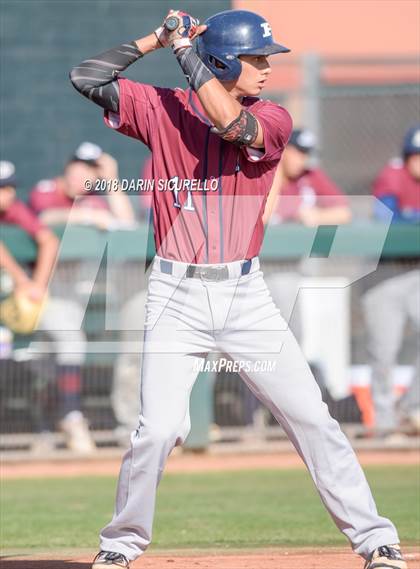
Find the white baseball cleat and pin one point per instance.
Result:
(76, 431)
(110, 560)
(386, 557)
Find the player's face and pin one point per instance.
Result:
(254, 74)
(293, 162)
(75, 176)
(7, 197)
(413, 165)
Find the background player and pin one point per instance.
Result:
(206, 290)
(58, 314)
(396, 300)
(304, 193)
(301, 194)
(64, 199)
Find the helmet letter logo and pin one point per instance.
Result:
(267, 29)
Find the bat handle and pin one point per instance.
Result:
(171, 23)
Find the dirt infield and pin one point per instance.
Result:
(189, 463)
(268, 559)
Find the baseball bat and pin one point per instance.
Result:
(171, 23)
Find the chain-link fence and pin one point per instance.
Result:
(359, 111)
(30, 398)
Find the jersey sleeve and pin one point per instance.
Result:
(276, 124)
(41, 196)
(35, 201)
(386, 189)
(386, 183)
(137, 103)
(22, 216)
(328, 193)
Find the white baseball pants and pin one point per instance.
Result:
(387, 307)
(186, 318)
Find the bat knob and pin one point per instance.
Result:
(171, 23)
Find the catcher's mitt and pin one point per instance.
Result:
(21, 314)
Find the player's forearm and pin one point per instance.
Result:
(148, 44)
(55, 216)
(96, 78)
(12, 267)
(120, 206)
(63, 216)
(47, 252)
(231, 121)
(334, 215)
(314, 216)
(220, 106)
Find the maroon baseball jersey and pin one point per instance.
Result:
(49, 194)
(20, 214)
(209, 195)
(313, 188)
(395, 180)
(146, 197)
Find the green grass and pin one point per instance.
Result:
(218, 510)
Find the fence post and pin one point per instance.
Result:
(311, 113)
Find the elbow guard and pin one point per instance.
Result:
(242, 131)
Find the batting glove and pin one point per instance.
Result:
(177, 30)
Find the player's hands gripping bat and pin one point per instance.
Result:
(178, 30)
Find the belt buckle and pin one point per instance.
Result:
(194, 272)
(214, 273)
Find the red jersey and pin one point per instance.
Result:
(20, 214)
(313, 188)
(49, 194)
(209, 195)
(396, 181)
(146, 197)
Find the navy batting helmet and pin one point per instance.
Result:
(233, 33)
(7, 174)
(411, 142)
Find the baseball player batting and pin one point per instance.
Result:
(216, 146)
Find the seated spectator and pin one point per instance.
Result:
(304, 194)
(65, 199)
(389, 305)
(56, 316)
(13, 211)
(398, 184)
